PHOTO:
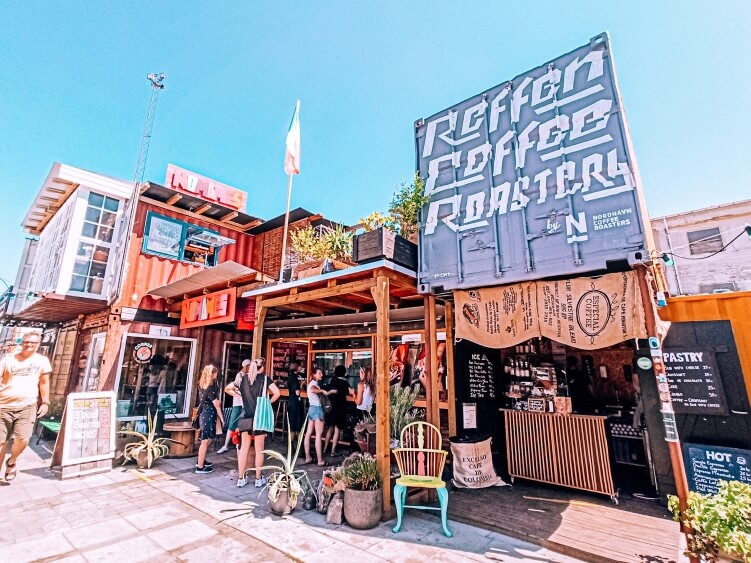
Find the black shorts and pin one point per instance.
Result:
(336, 418)
(245, 426)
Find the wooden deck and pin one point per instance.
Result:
(581, 525)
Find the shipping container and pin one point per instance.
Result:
(533, 178)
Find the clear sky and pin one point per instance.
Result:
(73, 89)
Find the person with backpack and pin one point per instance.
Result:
(209, 409)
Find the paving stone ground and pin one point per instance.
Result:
(169, 513)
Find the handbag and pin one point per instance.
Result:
(325, 403)
(264, 417)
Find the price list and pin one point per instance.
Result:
(706, 465)
(694, 381)
(480, 377)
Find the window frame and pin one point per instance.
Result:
(179, 256)
(705, 237)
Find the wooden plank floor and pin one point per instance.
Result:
(589, 527)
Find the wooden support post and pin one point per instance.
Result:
(258, 330)
(383, 423)
(435, 384)
(429, 345)
(674, 446)
(450, 381)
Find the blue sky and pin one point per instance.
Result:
(73, 88)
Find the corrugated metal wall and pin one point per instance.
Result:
(146, 272)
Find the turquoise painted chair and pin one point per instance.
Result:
(421, 460)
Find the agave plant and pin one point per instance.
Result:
(401, 411)
(284, 476)
(147, 444)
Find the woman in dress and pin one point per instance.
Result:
(250, 388)
(209, 409)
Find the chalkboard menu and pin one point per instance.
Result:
(705, 465)
(282, 353)
(694, 381)
(480, 384)
(89, 433)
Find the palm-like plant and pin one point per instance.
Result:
(401, 403)
(285, 476)
(148, 443)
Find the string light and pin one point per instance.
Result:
(667, 257)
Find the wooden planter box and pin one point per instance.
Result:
(314, 268)
(384, 244)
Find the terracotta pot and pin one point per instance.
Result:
(282, 505)
(142, 461)
(363, 509)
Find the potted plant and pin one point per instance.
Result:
(147, 448)
(393, 236)
(364, 434)
(318, 252)
(363, 497)
(402, 411)
(286, 484)
(720, 524)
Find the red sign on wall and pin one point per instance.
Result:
(182, 180)
(213, 308)
(246, 314)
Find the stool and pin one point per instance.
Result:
(280, 420)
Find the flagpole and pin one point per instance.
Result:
(286, 228)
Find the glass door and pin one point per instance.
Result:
(96, 352)
(232, 359)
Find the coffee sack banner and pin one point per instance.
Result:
(585, 313)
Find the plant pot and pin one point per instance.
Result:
(282, 506)
(380, 244)
(142, 461)
(363, 509)
(723, 557)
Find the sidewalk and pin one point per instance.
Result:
(169, 513)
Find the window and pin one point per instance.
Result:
(154, 374)
(705, 241)
(101, 214)
(179, 240)
(89, 268)
(716, 287)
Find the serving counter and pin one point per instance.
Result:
(561, 449)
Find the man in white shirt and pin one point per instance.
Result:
(24, 378)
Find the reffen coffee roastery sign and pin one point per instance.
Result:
(89, 433)
(694, 381)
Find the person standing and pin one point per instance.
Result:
(237, 409)
(24, 396)
(250, 388)
(294, 405)
(336, 421)
(365, 395)
(209, 410)
(315, 418)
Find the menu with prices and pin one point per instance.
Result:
(282, 353)
(706, 465)
(694, 381)
(480, 384)
(89, 427)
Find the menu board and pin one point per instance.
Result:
(282, 353)
(705, 465)
(694, 381)
(480, 384)
(89, 427)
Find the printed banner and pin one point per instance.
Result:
(585, 313)
(497, 317)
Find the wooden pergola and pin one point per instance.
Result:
(381, 287)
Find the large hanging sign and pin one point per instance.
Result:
(209, 309)
(585, 313)
(184, 181)
(534, 178)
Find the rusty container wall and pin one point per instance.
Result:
(533, 178)
(146, 271)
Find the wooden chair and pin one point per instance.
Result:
(421, 460)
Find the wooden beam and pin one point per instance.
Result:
(450, 381)
(393, 299)
(229, 216)
(322, 293)
(203, 209)
(383, 423)
(341, 303)
(258, 329)
(434, 376)
(307, 308)
(174, 199)
(227, 225)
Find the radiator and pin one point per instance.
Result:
(561, 449)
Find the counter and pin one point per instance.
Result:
(561, 449)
